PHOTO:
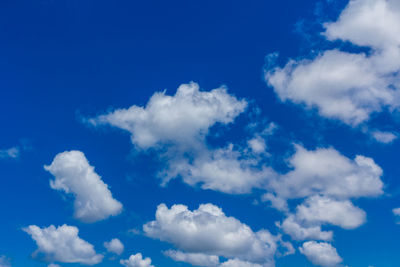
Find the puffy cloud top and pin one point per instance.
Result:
(63, 244)
(320, 253)
(183, 118)
(137, 260)
(349, 86)
(325, 171)
(208, 230)
(74, 175)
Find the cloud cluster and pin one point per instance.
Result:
(209, 231)
(343, 85)
(62, 244)
(137, 260)
(74, 175)
(114, 246)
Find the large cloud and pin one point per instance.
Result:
(325, 171)
(322, 254)
(180, 119)
(349, 86)
(137, 260)
(316, 211)
(208, 230)
(74, 175)
(62, 244)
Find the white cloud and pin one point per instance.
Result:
(396, 211)
(298, 231)
(257, 144)
(239, 263)
(74, 175)
(12, 152)
(384, 137)
(322, 254)
(224, 169)
(62, 244)
(325, 171)
(53, 265)
(323, 210)
(184, 118)
(349, 86)
(363, 17)
(137, 260)
(4, 261)
(114, 246)
(315, 211)
(195, 259)
(209, 231)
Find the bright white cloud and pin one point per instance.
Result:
(320, 253)
(325, 171)
(74, 175)
(62, 244)
(384, 137)
(114, 246)
(209, 231)
(349, 86)
(53, 265)
(12, 152)
(137, 260)
(184, 118)
(363, 17)
(323, 210)
(195, 259)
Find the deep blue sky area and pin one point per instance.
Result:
(62, 62)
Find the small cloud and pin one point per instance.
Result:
(12, 153)
(384, 137)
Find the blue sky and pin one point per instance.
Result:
(271, 126)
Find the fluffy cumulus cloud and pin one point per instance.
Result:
(74, 175)
(195, 259)
(137, 260)
(349, 86)
(324, 210)
(316, 211)
(321, 253)
(180, 119)
(114, 246)
(177, 125)
(225, 169)
(209, 231)
(62, 244)
(325, 171)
